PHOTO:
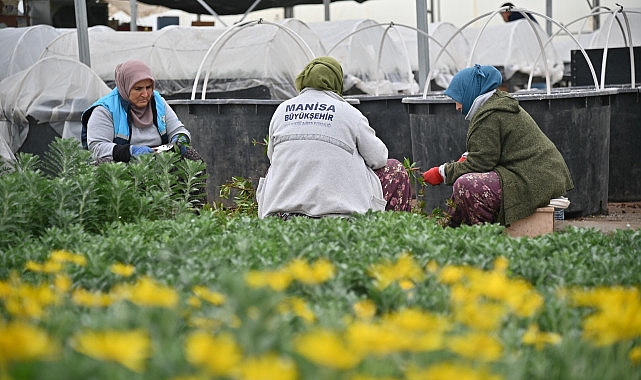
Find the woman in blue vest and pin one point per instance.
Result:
(133, 119)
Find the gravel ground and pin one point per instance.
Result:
(620, 215)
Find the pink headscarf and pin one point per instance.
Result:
(127, 75)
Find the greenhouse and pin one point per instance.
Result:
(173, 53)
(248, 60)
(22, 47)
(515, 48)
(158, 266)
(372, 63)
(40, 102)
(448, 50)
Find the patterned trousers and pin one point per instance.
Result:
(396, 186)
(476, 198)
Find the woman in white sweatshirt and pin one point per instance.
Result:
(325, 158)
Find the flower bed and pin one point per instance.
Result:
(208, 295)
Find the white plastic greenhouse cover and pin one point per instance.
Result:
(255, 54)
(597, 39)
(22, 47)
(307, 34)
(356, 45)
(6, 153)
(514, 47)
(173, 53)
(616, 38)
(453, 59)
(44, 94)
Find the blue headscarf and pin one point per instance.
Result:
(471, 82)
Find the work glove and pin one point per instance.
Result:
(433, 177)
(463, 157)
(181, 143)
(137, 150)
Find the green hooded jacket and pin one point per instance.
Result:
(503, 137)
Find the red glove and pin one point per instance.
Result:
(463, 157)
(433, 177)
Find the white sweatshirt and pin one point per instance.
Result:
(322, 152)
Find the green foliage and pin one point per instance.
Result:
(243, 194)
(215, 252)
(418, 184)
(140, 215)
(67, 189)
(264, 143)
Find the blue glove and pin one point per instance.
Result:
(137, 150)
(181, 143)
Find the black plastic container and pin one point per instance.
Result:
(625, 142)
(438, 134)
(388, 116)
(223, 132)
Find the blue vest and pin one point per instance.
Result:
(119, 108)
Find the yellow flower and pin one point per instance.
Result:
(617, 316)
(278, 280)
(326, 348)
(268, 367)
(55, 262)
(449, 371)
(432, 266)
(214, 298)
(20, 341)
(25, 300)
(298, 307)
(475, 311)
(451, 274)
(194, 302)
(46, 267)
(477, 346)
(220, 355)
(377, 338)
(417, 320)
(87, 298)
(365, 309)
(128, 348)
(404, 269)
(63, 256)
(147, 292)
(635, 355)
(316, 273)
(123, 270)
(62, 283)
(501, 264)
(538, 339)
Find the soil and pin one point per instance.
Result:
(619, 215)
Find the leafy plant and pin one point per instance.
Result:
(264, 143)
(243, 194)
(253, 288)
(417, 182)
(65, 189)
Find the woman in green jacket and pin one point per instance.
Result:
(510, 168)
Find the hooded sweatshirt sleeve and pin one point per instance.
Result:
(371, 148)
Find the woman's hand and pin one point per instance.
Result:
(433, 177)
(137, 150)
(181, 143)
